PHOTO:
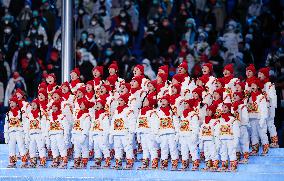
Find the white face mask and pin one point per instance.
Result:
(7, 30)
(33, 31)
(90, 39)
(29, 55)
(93, 23)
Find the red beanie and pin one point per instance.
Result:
(221, 81)
(183, 65)
(209, 65)
(13, 99)
(36, 101)
(163, 76)
(43, 92)
(166, 97)
(257, 82)
(198, 91)
(100, 69)
(178, 87)
(152, 101)
(102, 102)
(20, 91)
(141, 68)
(57, 91)
(65, 84)
(212, 108)
(192, 102)
(52, 75)
(82, 89)
(138, 79)
(124, 97)
(220, 92)
(108, 87)
(113, 65)
(57, 104)
(112, 80)
(165, 68)
(42, 85)
(265, 71)
(76, 71)
(204, 79)
(127, 85)
(229, 67)
(87, 103)
(90, 82)
(179, 77)
(251, 68)
(242, 84)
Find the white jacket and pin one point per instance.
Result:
(178, 107)
(228, 130)
(58, 126)
(123, 123)
(241, 114)
(100, 126)
(229, 89)
(207, 131)
(36, 125)
(144, 123)
(135, 100)
(15, 123)
(258, 109)
(270, 94)
(189, 126)
(81, 125)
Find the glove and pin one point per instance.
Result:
(110, 139)
(82, 139)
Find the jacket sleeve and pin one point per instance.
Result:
(131, 121)
(263, 109)
(176, 123)
(154, 122)
(86, 125)
(245, 116)
(195, 126)
(6, 127)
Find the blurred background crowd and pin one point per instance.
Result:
(151, 32)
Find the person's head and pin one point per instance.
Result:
(210, 111)
(112, 69)
(89, 87)
(197, 93)
(238, 96)
(228, 70)
(35, 105)
(75, 74)
(84, 36)
(13, 102)
(97, 71)
(164, 102)
(99, 105)
(250, 71)
(19, 94)
(175, 89)
(218, 83)
(239, 87)
(152, 86)
(50, 79)
(136, 82)
(80, 92)
(226, 107)
(207, 69)
(124, 88)
(65, 88)
(163, 69)
(161, 78)
(138, 70)
(165, 22)
(263, 73)
(182, 68)
(217, 95)
(104, 89)
(55, 107)
(56, 96)
(42, 95)
(123, 100)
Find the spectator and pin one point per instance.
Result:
(5, 71)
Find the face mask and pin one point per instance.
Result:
(6, 22)
(84, 36)
(81, 11)
(93, 23)
(200, 30)
(27, 42)
(29, 55)
(230, 27)
(35, 13)
(118, 42)
(21, 44)
(207, 29)
(120, 30)
(189, 25)
(122, 15)
(108, 53)
(33, 31)
(35, 23)
(90, 40)
(7, 30)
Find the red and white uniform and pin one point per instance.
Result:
(228, 132)
(99, 131)
(14, 132)
(80, 134)
(121, 133)
(188, 135)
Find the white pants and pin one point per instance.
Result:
(228, 149)
(16, 138)
(210, 151)
(168, 145)
(187, 144)
(57, 145)
(243, 145)
(37, 144)
(80, 149)
(270, 122)
(149, 146)
(123, 143)
(258, 133)
(101, 146)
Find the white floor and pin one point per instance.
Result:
(266, 168)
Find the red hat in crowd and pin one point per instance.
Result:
(90, 82)
(52, 75)
(229, 67)
(220, 92)
(100, 69)
(57, 91)
(212, 108)
(113, 65)
(108, 87)
(87, 103)
(204, 79)
(221, 81)
(192, 102)
(20, 91)
(165, 68)
(76, 71)
(82, 89)
(251, 67)
(112, 80)
(178, 87)
(198, 91)
(36, 101)
(57, 104)
(154, 83)
(127, 85)
(179, 77)
(229, 105)
(66, 84)
(167, 97)
(163, 76)
(138, 79)
(183, 65)
(265, 71)
(43, 92)
(102, 102)
(209, 65)
(42, 85)
(124, 97)
(141, 68)
(240, 94)
(13, 99)
(257, 82)
(152, 101)
(242, 84)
